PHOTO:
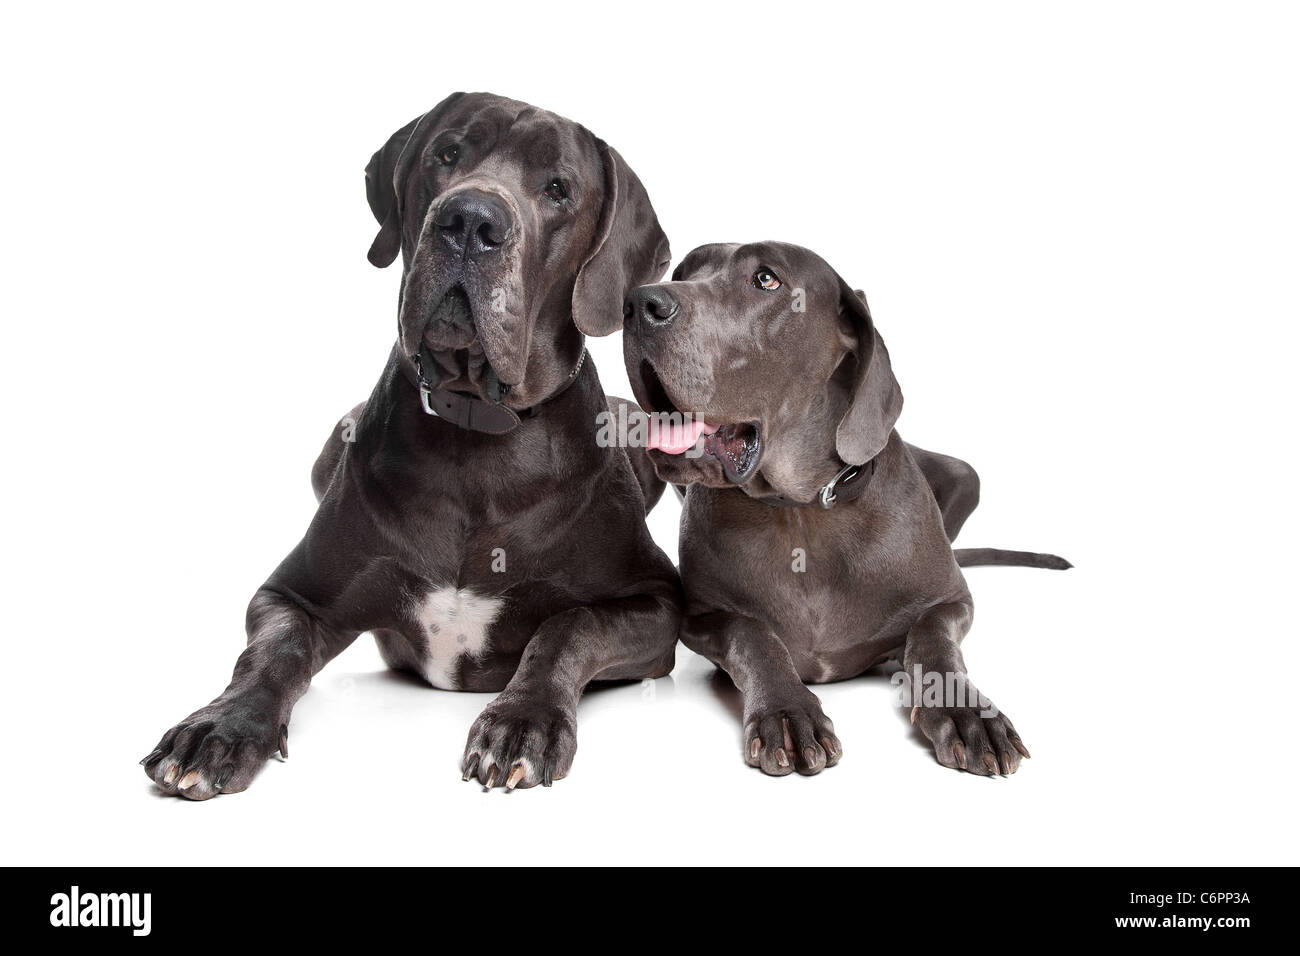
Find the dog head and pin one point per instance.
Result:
(518, 230)
(776, 360)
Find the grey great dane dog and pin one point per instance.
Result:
(467, 516)
(815, 543)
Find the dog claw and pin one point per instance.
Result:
(781, 759)
(959, 755)
(150, 758)
(516, 775)
(189, 780)
(915, 710)
(1020, 746)
(991, 762)
(284, 741)
(492, 778)
(470, 766)
(170, 775)
(755, 746)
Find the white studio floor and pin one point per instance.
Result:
(373, 778)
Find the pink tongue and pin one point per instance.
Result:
(676, 438)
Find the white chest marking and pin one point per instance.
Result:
(455, 623)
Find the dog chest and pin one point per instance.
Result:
(455, 623)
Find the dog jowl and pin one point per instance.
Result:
(467, 517)
(815, 542)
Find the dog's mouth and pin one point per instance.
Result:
(737, 445)
(450, 355)
(656, 396)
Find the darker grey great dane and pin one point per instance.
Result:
(815, 543)
(468, 517)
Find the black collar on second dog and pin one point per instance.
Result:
(848, 484)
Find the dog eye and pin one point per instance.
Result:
(767, 279)
(449, 154)
(555, 191)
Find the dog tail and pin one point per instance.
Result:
(981, 557)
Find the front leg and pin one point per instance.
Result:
(219, 748)
(784, 726)
(965, 729)
(528, 734)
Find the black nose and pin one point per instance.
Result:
(651, 305)
(473, 222)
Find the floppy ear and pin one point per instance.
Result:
(385, 174)
(629, 250)
(876, 399)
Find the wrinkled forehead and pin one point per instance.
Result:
(514, 132)
(705, 262)
(795, 265)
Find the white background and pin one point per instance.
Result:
(1077, 228)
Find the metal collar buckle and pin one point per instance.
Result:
(424, 401)
(425, 388)
(827, 495)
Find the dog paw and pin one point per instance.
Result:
(217, 749)
(791, 736)
(980, 740)
(520, 741)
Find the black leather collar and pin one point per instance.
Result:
(477, 414)
(848, 484)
